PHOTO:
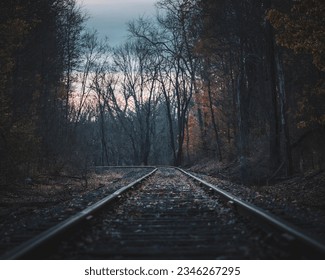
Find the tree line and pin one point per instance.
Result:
(232, 81)
(39, 52)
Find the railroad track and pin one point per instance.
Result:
(170, 214)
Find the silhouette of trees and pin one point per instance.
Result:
(33, 59)
(238, 82)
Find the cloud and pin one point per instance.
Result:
(110, 17)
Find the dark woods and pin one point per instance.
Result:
(237, 82)
(39, 51)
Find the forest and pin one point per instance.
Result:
(239, 83)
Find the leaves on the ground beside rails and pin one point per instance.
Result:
(52, 199)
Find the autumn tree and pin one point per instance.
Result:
(300, 28)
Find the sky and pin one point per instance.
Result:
(110, 17)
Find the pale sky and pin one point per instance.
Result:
(110, 17)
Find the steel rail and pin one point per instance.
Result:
(262, 215)
(29, 246)
(122, 167)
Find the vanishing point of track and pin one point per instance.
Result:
(170, 214)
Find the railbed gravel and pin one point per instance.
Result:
(172, 218)
(26, 210)
(299, 200)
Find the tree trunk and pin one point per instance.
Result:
(170, 123)
(284, 115)
(105, 157)
(214, 123)
(242, 135)
(275, 156)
